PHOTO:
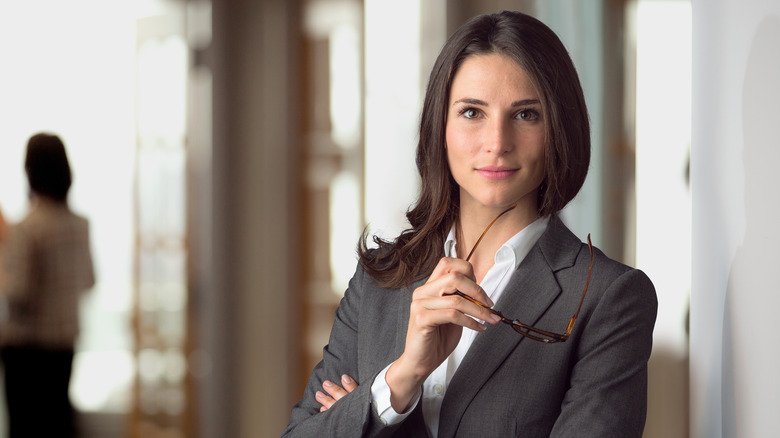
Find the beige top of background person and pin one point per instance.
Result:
(47, 265)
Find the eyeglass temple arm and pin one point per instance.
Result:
(587, 282)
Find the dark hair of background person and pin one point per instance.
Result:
(543, 57)
(47, 167)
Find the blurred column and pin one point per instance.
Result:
(161, 293)
(254, 59)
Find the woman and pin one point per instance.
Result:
(48, 266)
(415, 349)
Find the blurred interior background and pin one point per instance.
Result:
(228, 154)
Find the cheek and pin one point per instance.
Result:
(536, 149)
(459, 142)
(449, 139)
(540, 164)
(457, 156)
(534, 159)
(451, 147)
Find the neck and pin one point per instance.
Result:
(472, 224)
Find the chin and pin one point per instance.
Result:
(501, 198)
(505, 201)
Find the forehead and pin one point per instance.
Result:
(492, 71)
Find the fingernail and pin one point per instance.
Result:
(482, 327)
(346, 379)
(319, 394)
(327, 384)
(495, 317)
(489, 301)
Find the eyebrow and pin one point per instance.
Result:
(517, 103)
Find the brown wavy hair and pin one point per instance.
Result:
(538, 51)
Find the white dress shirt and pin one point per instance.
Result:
(507, 259)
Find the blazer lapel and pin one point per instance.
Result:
(529, 294)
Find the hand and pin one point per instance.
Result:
(436, 321)
(334, 391)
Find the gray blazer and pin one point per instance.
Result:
(594, 385)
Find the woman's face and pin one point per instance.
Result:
(495, 134)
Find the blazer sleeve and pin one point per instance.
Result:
(353, 415)
(608, 392)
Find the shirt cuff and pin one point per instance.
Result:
(380, 397)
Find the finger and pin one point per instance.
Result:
(454, 309)
(348, 383)
(451, 275)
(481, 311)
(474, 293)
(334, 390)
(448, 317)
(448, 265)
(324, 399)
(452, 283)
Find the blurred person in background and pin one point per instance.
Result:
(3, 231)
(417, 348)
(48, 266)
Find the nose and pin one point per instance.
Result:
(498, 138)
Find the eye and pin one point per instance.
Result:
(470, 113)
(527, 115)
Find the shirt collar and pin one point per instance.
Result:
(514, 249)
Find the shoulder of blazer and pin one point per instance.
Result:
(560, 248)
(559, 245)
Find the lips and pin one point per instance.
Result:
(496, 172)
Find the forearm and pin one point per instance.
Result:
(351, 416)
(404, 386)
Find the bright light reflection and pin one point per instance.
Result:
(345, 91)
(345, 226)
(111, 371)
(663, 141)
(393, 101)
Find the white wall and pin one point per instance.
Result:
(735, 384)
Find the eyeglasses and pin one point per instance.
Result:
(525, 329)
